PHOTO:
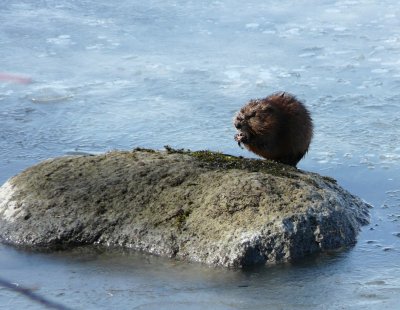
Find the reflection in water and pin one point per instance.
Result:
(117, 76)
(124, 278)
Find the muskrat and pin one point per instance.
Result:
(278, 127)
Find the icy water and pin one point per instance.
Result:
(91, 76)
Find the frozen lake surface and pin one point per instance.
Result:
(120, 75)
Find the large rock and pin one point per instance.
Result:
(198, 206)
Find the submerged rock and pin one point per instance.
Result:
(197, 206)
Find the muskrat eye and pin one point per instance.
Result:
(268, 109)
(252, 114)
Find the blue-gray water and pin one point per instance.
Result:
(117, 75)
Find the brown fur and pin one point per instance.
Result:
(278, 127)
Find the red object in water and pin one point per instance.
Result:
(13, 78)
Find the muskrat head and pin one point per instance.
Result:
(256, 122)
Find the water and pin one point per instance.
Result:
(116, 76)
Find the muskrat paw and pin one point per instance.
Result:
(240, 138)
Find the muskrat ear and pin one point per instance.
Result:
(282, 95)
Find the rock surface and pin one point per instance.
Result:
(198, 206)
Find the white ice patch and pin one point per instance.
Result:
(333, 11)
(293, 31)
(49, 94)
(389, 158)
(63, 40)
(252, 26)
(308, 54)
(233, 75)
(380, 71)
(340, 29)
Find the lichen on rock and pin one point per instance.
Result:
(199, 206)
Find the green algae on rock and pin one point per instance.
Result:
(199, 206)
